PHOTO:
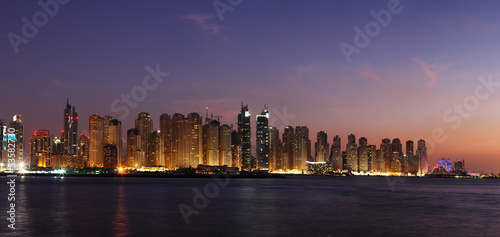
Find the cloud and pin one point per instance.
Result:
(432, 70)
(202, 21)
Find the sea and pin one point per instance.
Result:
(320, 206)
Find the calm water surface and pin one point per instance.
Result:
(297, 206)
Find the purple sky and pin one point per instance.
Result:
(285, 54)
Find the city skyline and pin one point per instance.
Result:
(424, 65)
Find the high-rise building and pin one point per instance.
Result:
(380, 163)
(155, 156)
(322, 148)
(363, 155)
(275, 161)
(144, 124)
(352, 153)
(288, 146)
(2, 126)
(195, 139)
(225, 154)
(110, 156)
(180, 141)
(96, 152)
(422, 157)
(83, 150)
(235, 149)
(112, 134)
(56, 150)
(302, 148)
(336, 154)
(244, 133)
(262, 143)
(372, 157)
(17, 124)
(211, 143)
(397, 156)
(133, 152)
(166, 131)
(39, 152)
(70, 133)
(411, 159)
(386, 148)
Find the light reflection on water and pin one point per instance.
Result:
(301, 206)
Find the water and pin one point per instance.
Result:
(298, 206)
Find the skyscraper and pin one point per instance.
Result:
(363, 154)
(262, 143)
(352, 153)
(180, 141)
(302, 148)
(288, 146)
(96, 152)
(372, 157)
(211, 143)
(195, 139)
(386, 148)
(112, 134)
(133, 153)
(110, 160)
(70, 133)
(322, 148)
(412, 161)
(336, 153)
(155, 156)
(225, 154)
(83, 150)
(17, 124)
(397, 156)
(39, 145)
(235, 149)
(244, 133)
(166, 131)
(275, 161)
(422, 157)
(144, 125)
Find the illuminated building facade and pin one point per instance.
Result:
(336, 154)
(225, 154)
(110, 156)
(112, 134)
(96, 152)
(244, 133)
(133, 154)
(211, 143)
(397, 153)
(235, 149)
(144, 124)
(39, 145)
(302, 148)
(70, 133)
(83, 150)
(166, 131)
(288, 148)
(262, 141)
(322, 147)
(422, 157)
(363, 154)
(352, 153)
(17, 124)
(195, 139)
(386, 148)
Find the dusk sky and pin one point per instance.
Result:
(286, 54)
